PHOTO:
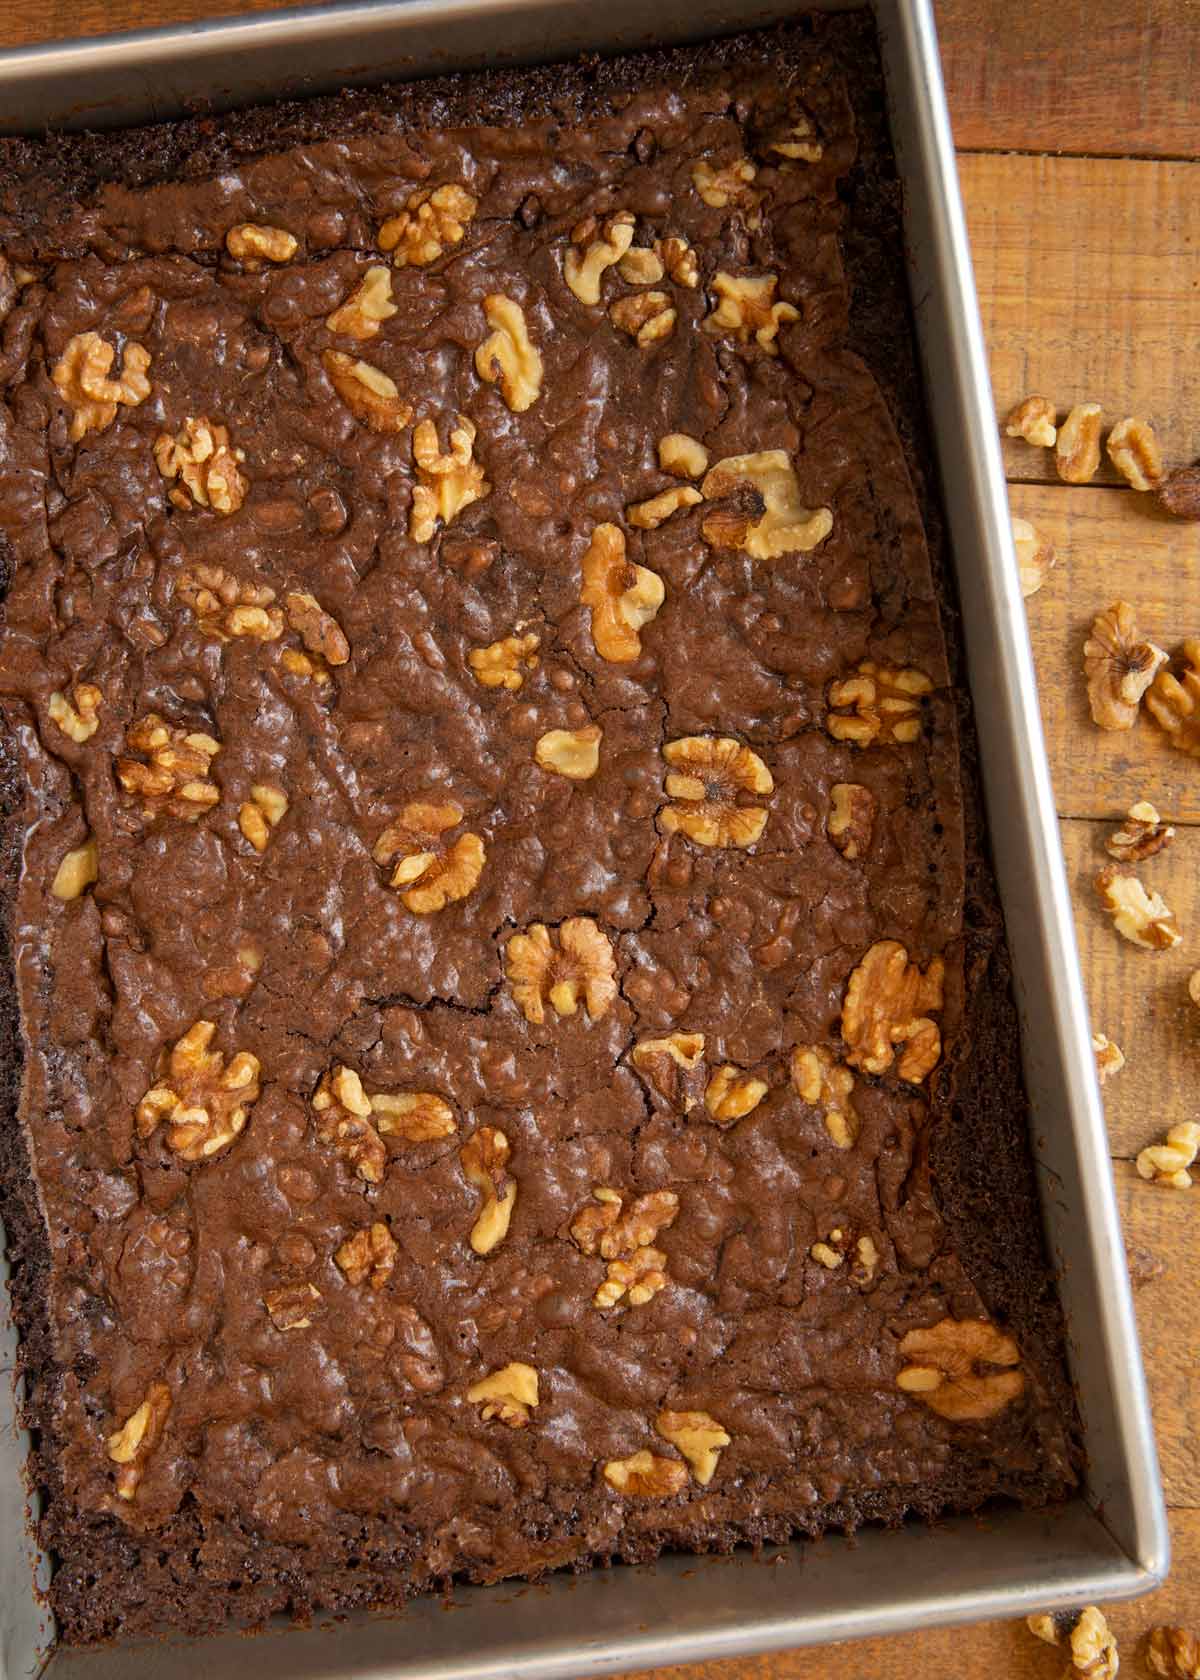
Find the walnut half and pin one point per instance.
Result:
(785, 525)
(367, 307)
(430, 873)
(579, 964)
(748, 311)
(669, 1066)
(821, 1080)
(508, 355)
(1168, 1162)
(503, 664)
(446, 483)
(622, 596)
(205, 1101)
(709, 781)
(200, 455)
(1174, 701)
(698, 1436)
(962, 1369)
(1119, 667)
(886, 1005)
(731, 1094)
(131, 1445)
(174, 779)
(1141, 835)
(369, 1255)
(879, 703)
(624, 1237)
(507, 1394)
(594, 247)
(371, 395)
(484, 1160)
(434, 221)
(79, 716)
(81, 374)
(851, 819)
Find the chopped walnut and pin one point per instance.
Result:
(1035, 556)
(503, 664)
(1174, 702)
(81, 374)
(866, 1258)
(507, 1394)
(574, 753)
(851, 819)
(250, 243)
(645, 1475)
(78, 869)
(131, 1446)
(640, 266)
(1119, 667)
(369, 1256)
(484, 1159)
(79, 716)
(636, 1270)
(622, 596)
(430, 874)
(747, 310)
(1168, 1162)
(371, 395)
(446, 484)
(679, 260)
(668, 1065)
(1077, 446)
(508, 355)
(205, 1100)
(830, 1258)
(582, 965)
(595, 247)
(1141, 834)
(880, 703)
(682, 455)
(731, 1094)
(800, 144)
(698, 1436)
(885, 1006)
(649, 515)
(344, 1122)
(367, 307)
(321, 634)
(731, 184)
(200, 455)
(1110, 1058)
(291, 1307)
(1174, 1653)
(1093, 1647)
(646, 316)
(435, 220)
(785, 525)
(226, 608)
(963, 1369)
(174, 779)
(1138, 915)
(708, 776)
(1035, 420)
(1133, 449)
(415, 1116)
(820, 1079)
(264, 810)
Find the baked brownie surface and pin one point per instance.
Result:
(518, 1060)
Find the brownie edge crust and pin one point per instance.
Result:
(517, 1061)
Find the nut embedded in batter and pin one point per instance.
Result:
(367, 307)
(81, 374)
(645, 1475)
(851, 819)
(731, 1094)
(649, 515)
(484, 1161)
(636, 1270)
(784, 526)
(503, 664)
(674, 1067)
(415, 1116)
(320, 632)
(646, 316)
(199, 454)
(622, 596)
(1119, 667)
(371, 395)
(264, 810)
(292, 1306)
(1138, 914)
(708, 777)
(174, 780)
(435, 220)
(886, 1006)
(369, 1256)
(594, 247)
(79, 716)
(130, 1446)
(679, 260)
(574, 753)
(682, 455)
(507, 1394)
(204, 1100)
(580, 963)
(344, 1122)
(252, 244)
(880, 703)
(962, 1369)
(430, 873)
(747, 310)
(78, 869)
(1174, 702)
(226, 608)
(698, 1436)
(446, 484)
(820, 1079)
(508, 355)
(729, 184)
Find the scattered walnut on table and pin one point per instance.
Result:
(1174, 701)
(507, 1394)
(542, 968)
(1174, 1653)
(293, 1305)
(204, 1100)
(784, 525)
(1035, 420)
(508, 355)
(886, 1005)
(368, 306)
(369, 1256)
(1168, 1162)
(1139, 915)
(371, 395)
(503, 664)
(1119, 666)
(649, 515)
(81, 374)
(1179, 493)
(962, 1369)
(264, 810)
(646, 316)
(429, 872)
(76, 872)
(199, 454)
(851, 819)
(645, 1475)
(1110, 1058)
(174, 779)
(1141, 835)
(435, 220)
(596, 246)
(698, 1436)
(79, 715)
(708, 778)
(747, 310)
(731, 184)
(226, 608)
(574, 753)
(1035, 556)
(1133, 449)
(252, 244)
(731, 1094)
(674, 1067)
(683, 455)
(131, 1446)
(1077, 447)
(820, 1079)
(484, 1160)
(446, 483)
(879, 703)
(622, 596)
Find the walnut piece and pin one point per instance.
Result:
(731, 1094)
(1179, 493)
(174, 779)
(204, 1100)
(367, 307)
(594, 247)
(636, 1269)
(79, 716)
(886, 1005)
(1174, 1653)
(1093, 1647)
(1035, 556)
(343, 1112)
(644, 1475)
(1168, 1162)
(200, 455)
(825, 1256)
(640, 266)
(1077, 447)
(708, 777)
(1110, 1058)
(78, 869)
(321, 633)
(880, 703)
(226, 608)
(251, 243)
(668, 1064)
(646, 316)
(621, 595)
(430, 873)
(484, 1159)
(1034, 419)
(131, 1445)
(679, 260)
(851, 819)
(81, 374)
(369, 1256)
(820, 1079)
(731, 184)
(698, 1436)
(649, 515)
(1133, 449)
(503, 664)
(507, 1394)
(371, 395)
(1119, 667)
(291, 1307)
(446, 484)
(264, 810)
(1141, 834)
(800, 144)
(415, 1116)
(1138, 915)
(435, 220)
(962, 1369)
(785, 525)
(574, 753)
(746, 310)
(508, 355)
(682, 455)
(582, 964)
(1174, 702)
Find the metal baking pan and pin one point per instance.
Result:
(1112, 1541)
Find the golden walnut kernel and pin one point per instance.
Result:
(415, 1116)
(885, 1006)
(131, 1445)
(204, 1100)
(484, 1159)
(248, 242)
(649, 515)
(679, 260)
(367, 307)
(321, 634)
(81, 374)
(698, 1436)
(226, 608)
(879, 703)
(746, 309)
(369, 1256)
(371, 395)
(1138, 915)
(851, 819)
(820, 1079)
(507, 1394)
(1035, 556)
(682, 455)
(291, 1307)
(1168, 1162)
(667, 1064)
(731, 184)
(446, 484)
(636, 1270)
(582, 964)
(174, 779)
(708, 776)
(646, 316)
(1133, 449)
(731, 1094)
(785, 525)
(962, 1369)
(78, 869)
(503, 664)
(574, 753)
(200, 455)
(645, 1475)
(1174, 702)
(343, 1112)
(594, 247)
(1141, 834)
(1110, 1058)
(640, 266)
(1119, 667)
(800, 144)
(264, 810)
(1077, 446)
(1174, 1653)
(435, 220)
(508, 355)
(1088, 1636)
(1034, 419)
(430, 874)
(622, 596)
(79, 716)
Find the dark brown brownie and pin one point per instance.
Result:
(302, 1429)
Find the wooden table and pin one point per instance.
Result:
(1077, 126)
